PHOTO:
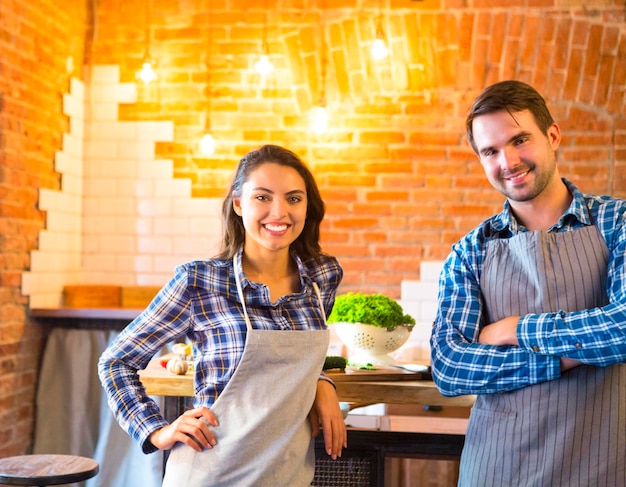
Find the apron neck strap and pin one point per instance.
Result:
(240, 292)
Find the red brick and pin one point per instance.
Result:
(355, 223)
(373, 237)
(375, 209)
(350, 250)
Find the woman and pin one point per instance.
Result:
(256, 315)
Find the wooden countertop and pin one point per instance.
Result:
(384, 385)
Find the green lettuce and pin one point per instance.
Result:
(373, 309)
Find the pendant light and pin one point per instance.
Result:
(379, 48)
(264, 66)
(319, 116)
(319, 123)
(207, 142)
(147, 73)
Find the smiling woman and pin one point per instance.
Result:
(239, 310)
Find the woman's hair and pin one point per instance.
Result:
(307, 244)
(512, 96)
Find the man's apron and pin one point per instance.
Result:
(264, 436)
(567, 432)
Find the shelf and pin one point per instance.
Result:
(85, 318)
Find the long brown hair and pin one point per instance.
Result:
(307, 244)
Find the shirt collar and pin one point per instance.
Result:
(302, 270)
(577, 210)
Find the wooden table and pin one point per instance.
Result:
(361, 387)
(383, 385)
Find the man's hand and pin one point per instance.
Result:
(568, 363)
(503, 332)
(190, 429)
(327, 414)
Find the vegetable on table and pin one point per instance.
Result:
(177, 366)
(335, 362)
(371, 309)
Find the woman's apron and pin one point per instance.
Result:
(567, 432)
(264, 437)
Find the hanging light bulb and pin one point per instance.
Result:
(147, 74)
(320, 120)
(264, 66)
(207, 144)
(319, 123)
(319, 114)
(379, 49)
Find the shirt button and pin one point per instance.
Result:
(536, 348)
(579, 345)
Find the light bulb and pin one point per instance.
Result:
(320, 119)
(207, 144)
(147, 73)
(379, 49)
(264, 66)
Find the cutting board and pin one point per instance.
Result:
(382, 373)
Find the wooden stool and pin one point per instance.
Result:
(42, 470)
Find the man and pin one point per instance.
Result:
(532, 312)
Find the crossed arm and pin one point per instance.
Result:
(504, 332)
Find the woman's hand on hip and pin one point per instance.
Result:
(191, 428)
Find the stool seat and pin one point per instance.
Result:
(41, 470)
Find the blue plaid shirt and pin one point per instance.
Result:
(201, 305)
(461, 365)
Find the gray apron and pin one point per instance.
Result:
(567, 432)
(264, 436)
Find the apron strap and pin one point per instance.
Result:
(240, 292)
(319, 297)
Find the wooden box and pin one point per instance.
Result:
(138, 296)
(91, 296)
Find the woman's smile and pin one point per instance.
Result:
(276, 227)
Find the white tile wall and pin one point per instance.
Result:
(419, 299)
(57, 261)
(120, 217)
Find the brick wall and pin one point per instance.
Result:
(399, 181)
(41, 46)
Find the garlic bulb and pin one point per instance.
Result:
(177, 366)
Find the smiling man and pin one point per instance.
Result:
(532, 312)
